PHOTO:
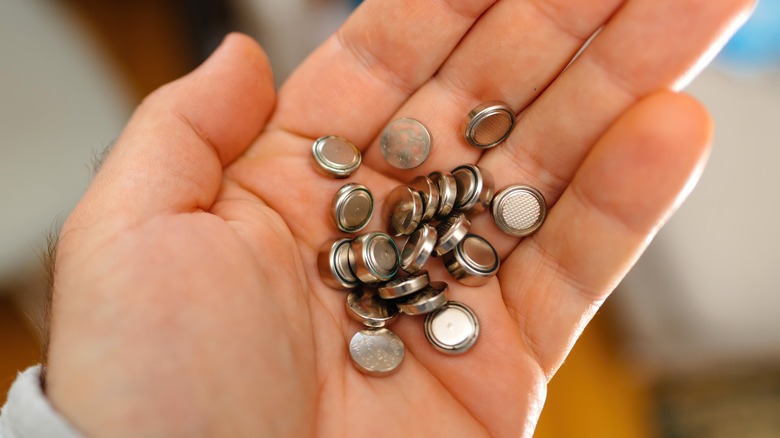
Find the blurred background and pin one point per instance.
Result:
(688, 346)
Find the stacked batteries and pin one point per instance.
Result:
(433, 212)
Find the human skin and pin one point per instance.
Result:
(187, 300)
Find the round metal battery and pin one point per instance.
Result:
(352, 207)
(430, 195)
(333, 264)
(448, 192)
(450, 232)
(336, 156)
(373, 257)
(403, 210)
(366, 307)
(403, 286)
(376, 351)
(519, 210)
(488, 124)
(475, 188)
(418, 248)
(452, 329)
(473, 261)
(430, 298)
(405, 143)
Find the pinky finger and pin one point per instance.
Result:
(639, 171)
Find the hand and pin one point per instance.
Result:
(187, 299)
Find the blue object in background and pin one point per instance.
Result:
(756, 45)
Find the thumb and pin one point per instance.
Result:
(170, 157)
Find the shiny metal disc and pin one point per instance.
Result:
(452, 329)
(403, 210)
(373, 257)
(418, 248)
(352, 207)
(368, 308)
(376, 352)
(432, 297)
(403, 286)
(450, 232)
(336, 156)
(519, 210)
(430, 195)
(475, 188)
(405, 143)
(333, 264)
(448, 192)
(489, 124)
(473, 261)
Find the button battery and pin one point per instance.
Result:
(450, 232)
(473, 261)
(475, 188)
(418, 248)
(336, 156)
(432, 297)
(519, 210)
(403, 210)
(373, 257)
(405, 143)
(452, 329)
(403, 286)
(376, 351)
(333, 264)
(489, 124)
(365, 306)
(430, 195)
(448, 192)
(352, 207)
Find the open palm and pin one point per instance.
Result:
(187, 298)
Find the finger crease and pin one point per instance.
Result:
(552, 18)
(590, 204)
(620, 81)
(375, 66)
(529, 164)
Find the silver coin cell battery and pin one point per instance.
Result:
(473, 261)
(448, 192)
(405, 143)
(333, 264)
(403, 210)
(403, 286)
(452, 329)
(476, 188)
(366, 307)
(488, 124)
(373, 257)
(450, 232)
(376, 351)
(519, 210)
(418, 248)
(352, 207)
(430, 195)
(432, 297)
(336, 156)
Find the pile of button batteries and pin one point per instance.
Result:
(432, 212)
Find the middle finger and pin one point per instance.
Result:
(512, 53)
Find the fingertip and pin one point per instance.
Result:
(245, 47)
(681, 113)
(226, 100)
